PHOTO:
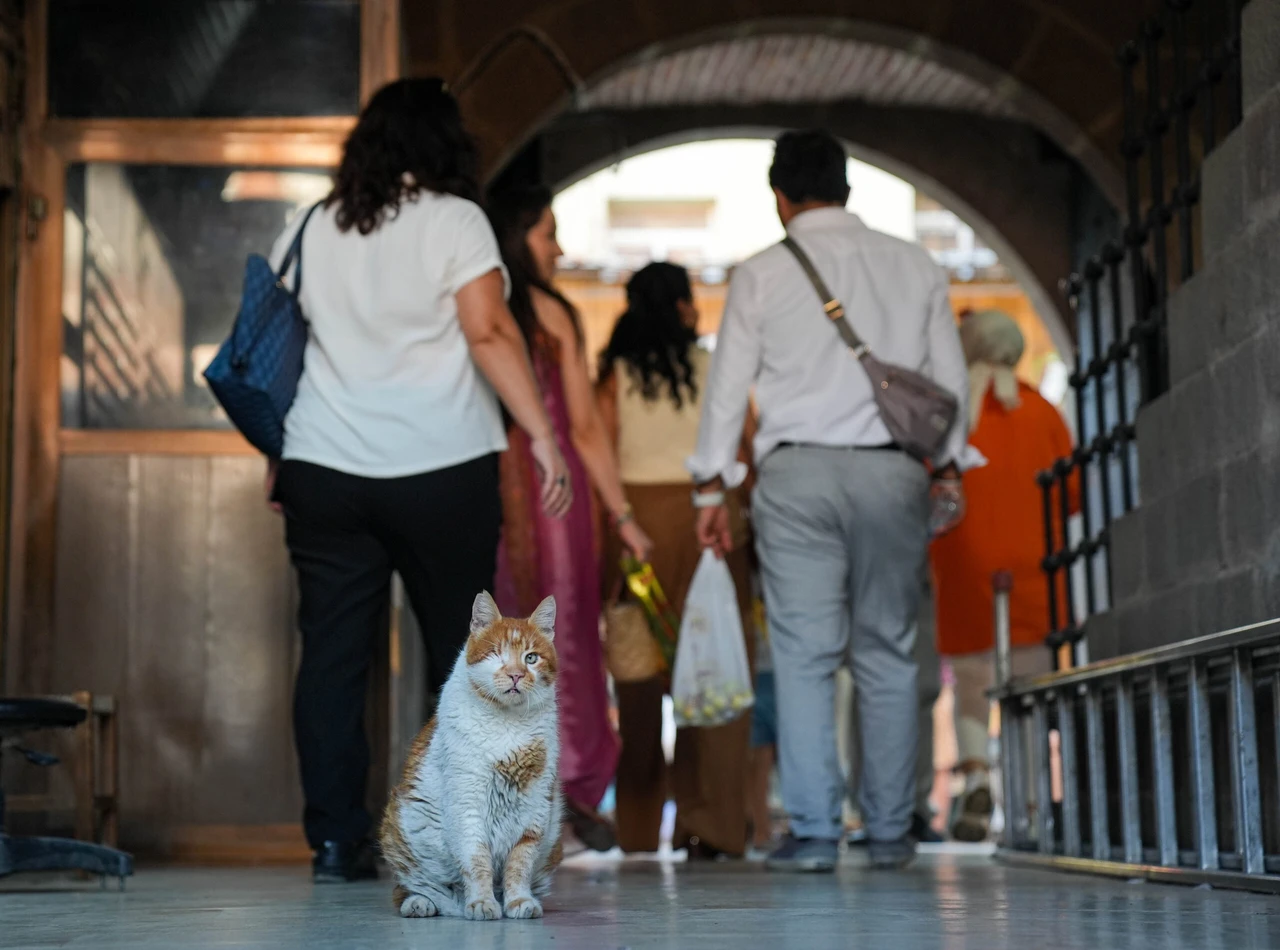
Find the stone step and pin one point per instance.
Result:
(1128, 557)
(1212, 603)
(1260, 49)
(1160, 462)
(1234, 296)
(1156, 620)
(1167, 542)
(1240, 179)
(1251, 510)
(1222, 213)
(1220, 412)
(1101, 632)
(1224, 519)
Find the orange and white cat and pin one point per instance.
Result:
(473, 829)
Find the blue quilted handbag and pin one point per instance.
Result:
(255, 374)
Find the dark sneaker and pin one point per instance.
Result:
(338, 862)
(921, 831)
(973, 822)
(891, 855)
(699, 851)
(803, 856)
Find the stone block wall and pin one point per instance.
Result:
(1201, 553)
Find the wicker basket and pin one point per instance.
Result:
(631, 652)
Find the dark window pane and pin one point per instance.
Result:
(203, 58)
(152, 266)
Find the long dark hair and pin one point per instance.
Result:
(409, 138)
(514, 212)
(651, 338)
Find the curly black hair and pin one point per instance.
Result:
(514, 212)
(651, 339)
(409, 138)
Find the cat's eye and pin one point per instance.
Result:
(531, 658)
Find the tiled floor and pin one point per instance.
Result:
(947, 901)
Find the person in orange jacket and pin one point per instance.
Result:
(1021, 434)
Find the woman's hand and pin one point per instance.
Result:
(557, 492)
(273, 470)
(637, 542)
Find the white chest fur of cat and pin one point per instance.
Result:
(473, 829)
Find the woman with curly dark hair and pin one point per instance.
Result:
(652, 376)
(538, 556)
(391, 447)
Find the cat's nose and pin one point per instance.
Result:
(516, 678)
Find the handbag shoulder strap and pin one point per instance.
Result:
(295, 253)
(833, 308)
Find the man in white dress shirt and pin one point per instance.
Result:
(841, 513)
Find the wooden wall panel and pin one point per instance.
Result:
(91, 632)
(161, 726)
(174, 594)
(89, 644)
(249, 773)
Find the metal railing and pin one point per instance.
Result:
(1158, 754)
(1181, 94)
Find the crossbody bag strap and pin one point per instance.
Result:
(295, 253)
(833, 308)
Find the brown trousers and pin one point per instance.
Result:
(708, 778)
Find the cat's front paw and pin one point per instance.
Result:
(523, 908)
(418, 905)
(484, 908)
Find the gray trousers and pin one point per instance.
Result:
(842, 536)
(928, 686)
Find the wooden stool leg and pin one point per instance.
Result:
(111, 776)
(84, 769)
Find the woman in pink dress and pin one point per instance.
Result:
(540, 555)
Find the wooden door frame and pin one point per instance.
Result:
(12, 39)
(48, 146)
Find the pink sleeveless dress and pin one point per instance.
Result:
(540, 556)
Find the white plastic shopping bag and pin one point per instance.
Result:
(711, 682)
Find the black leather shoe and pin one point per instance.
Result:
(337, 862)
(590, 827)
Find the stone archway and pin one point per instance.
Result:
(1054, 62)
(1000, 176)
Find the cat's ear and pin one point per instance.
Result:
(484, 612)
(544, 618)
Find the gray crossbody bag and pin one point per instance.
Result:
(918, 413)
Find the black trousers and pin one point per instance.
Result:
(346, 535)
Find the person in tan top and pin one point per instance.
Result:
(652, 377)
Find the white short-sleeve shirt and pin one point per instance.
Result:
(388, 386)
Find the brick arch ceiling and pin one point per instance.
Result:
(1052, 60)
